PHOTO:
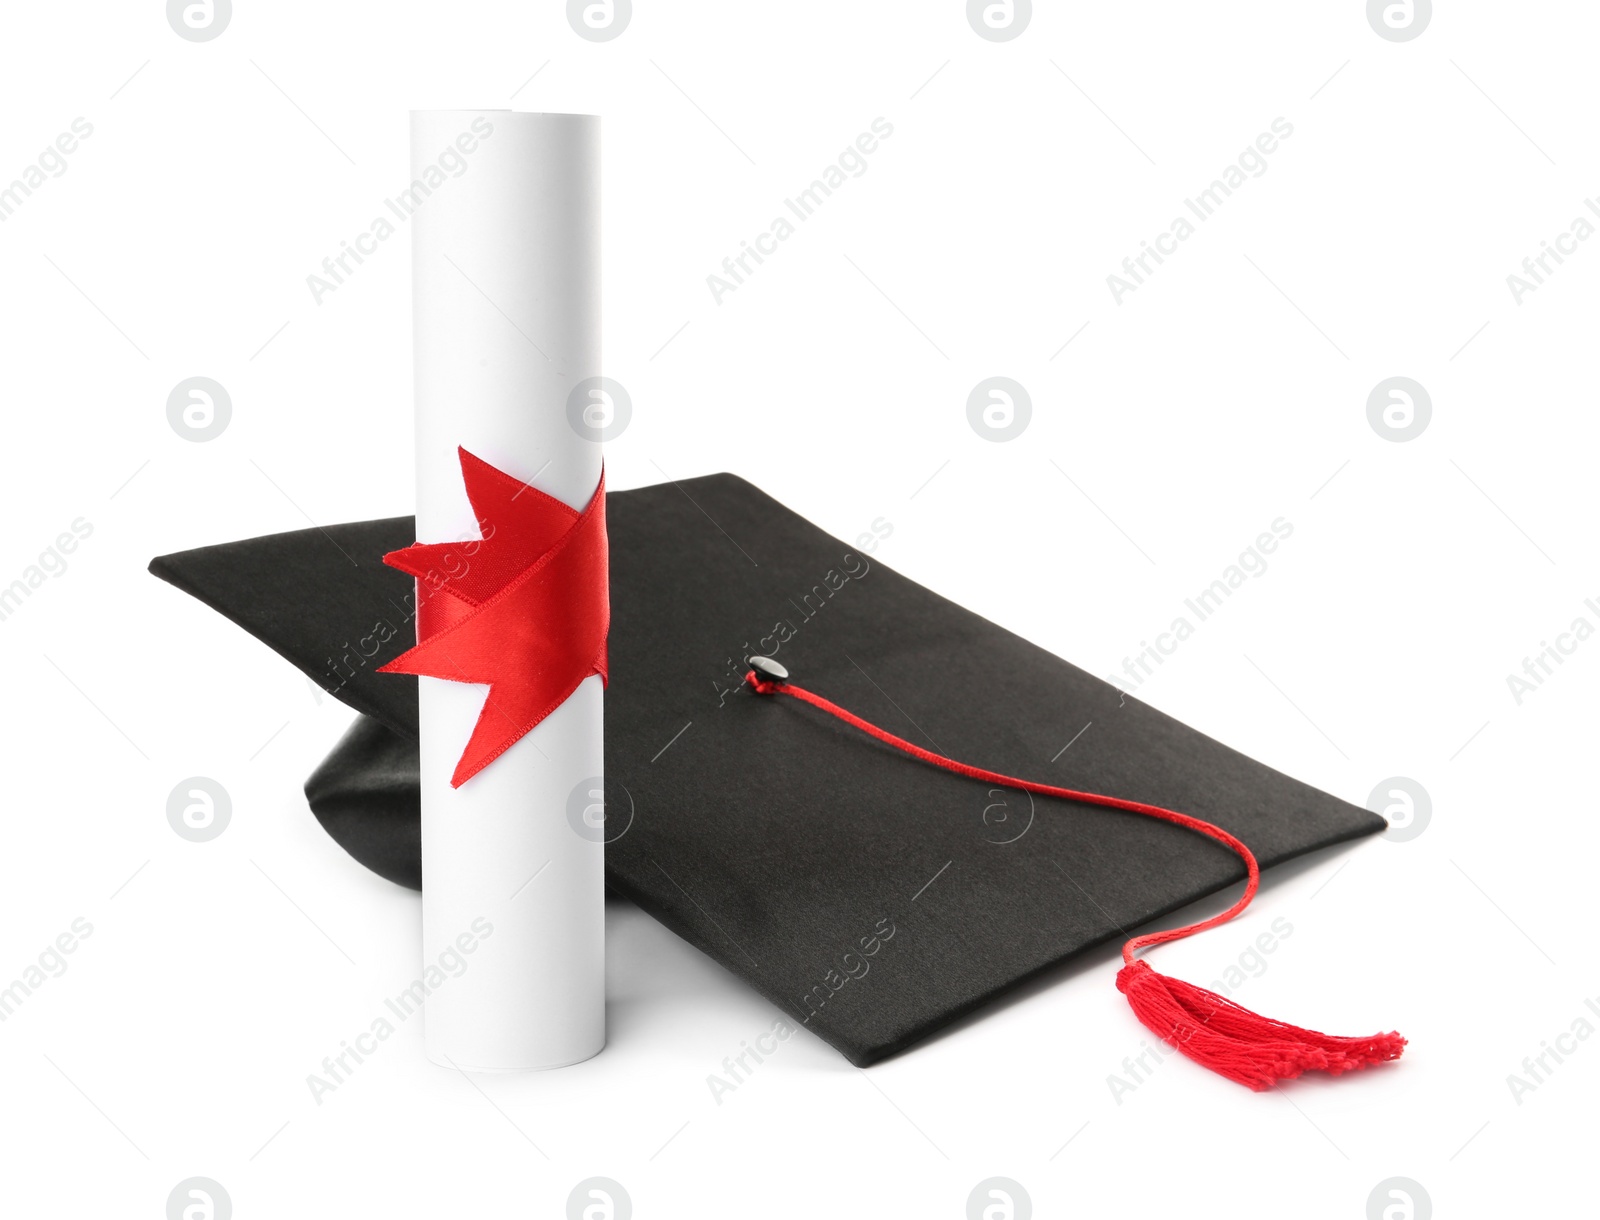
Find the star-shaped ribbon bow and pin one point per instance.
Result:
(524, 610)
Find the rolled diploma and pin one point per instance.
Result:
(506, 303)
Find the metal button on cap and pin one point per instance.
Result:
(768, 669)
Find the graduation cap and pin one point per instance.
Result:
(838, 860)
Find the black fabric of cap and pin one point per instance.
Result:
(872, 897)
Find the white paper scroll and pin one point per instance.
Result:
(505, 216)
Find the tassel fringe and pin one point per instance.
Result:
(1234, 1042)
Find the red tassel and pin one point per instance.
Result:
(1214, 1032)
(1235, 1042)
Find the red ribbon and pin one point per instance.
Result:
(524, 610)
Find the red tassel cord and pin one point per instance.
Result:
(1213, 1031)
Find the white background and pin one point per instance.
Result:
(1226, 392)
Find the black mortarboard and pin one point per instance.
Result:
(870, 896)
